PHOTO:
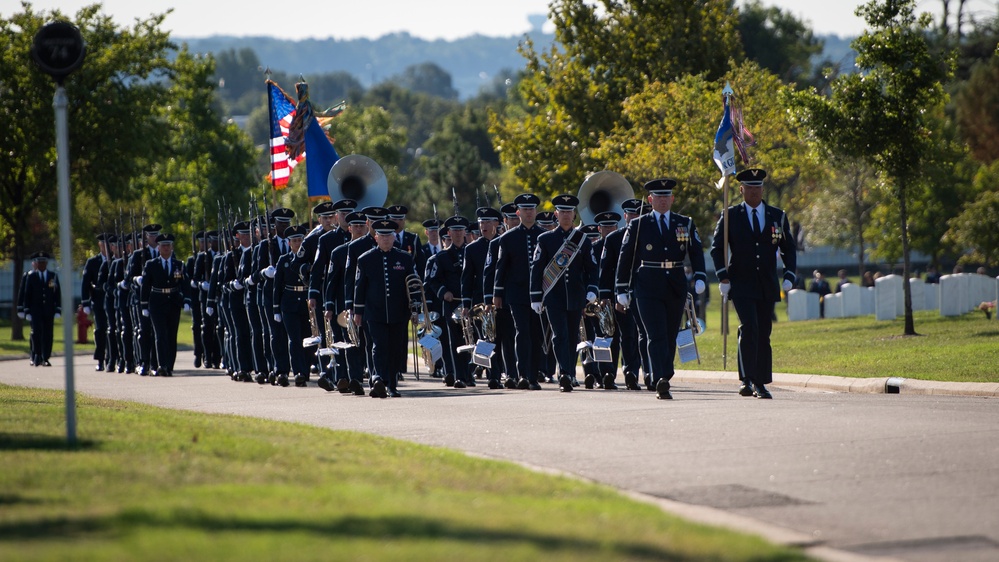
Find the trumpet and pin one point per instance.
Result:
(486, 317)
(602, 311)
(428, 332)
(315, 338)
(346, 320)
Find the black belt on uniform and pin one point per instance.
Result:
(663, 264)
(165, 290)
(296, 288)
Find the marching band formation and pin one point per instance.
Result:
(507, 300)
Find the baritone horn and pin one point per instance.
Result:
(346, 320)
(486, 316)
(359, 178)
(602, 191)
(429, 344)
(602, 311)
(315, 338)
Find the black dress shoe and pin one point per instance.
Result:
(449, 380)
(565, 383)
(356, 388)
(343, 385)
(648, 384)
(324, 383)
(510, 384)
(197, 361)
(272, 378)
(662, 390)
(609, 382)
(458, 384)
(164, 373)
(746, 389)
(589, 382)
(394, 393)
(301, 380)
(99, 367)
(495, 384)
(762, 392)
(533, 386)
(631, 382)
(378, 389)
(523, 384)
(261, 378)
(282, 380)
(46, 363)
(549, 380)
(573, 379)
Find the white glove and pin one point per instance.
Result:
(205, 286)
(591, 296)
(27, 317)
(57, 316)
(624, 300)
(86, 310)
(269, 271)
(698, 286)
(187, 307)
(20, 315)
(786, 285)
(249, 281)
(145, 312)
(724, 288)
(237, 285)
(123, 285)
(138, 280)
(277, 317)
(194, 284)
(209, 311)
(536, 307)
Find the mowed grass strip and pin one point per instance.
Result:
(956, 349)
(151, 484)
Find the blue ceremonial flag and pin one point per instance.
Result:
(724, 152)
(318, 146)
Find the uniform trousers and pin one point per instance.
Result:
(527, 342)
(627, 332)
(100, 327)
(41, 337)
(386, 350)
(111, 340)
(452, 337)
(565, 336)
(661, 318)
(164, 319)
(295, 318)
(505, 339)
(755, 353)
(242, 353)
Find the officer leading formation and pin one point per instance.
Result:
(523, 301)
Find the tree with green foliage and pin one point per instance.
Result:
(977, 105)
(115, 130)
(975, 228)
(573, 94)
(883, 114)
(778, 41)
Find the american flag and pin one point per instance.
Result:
(282, 110)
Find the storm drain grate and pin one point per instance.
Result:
(730, 496)
(927, 545)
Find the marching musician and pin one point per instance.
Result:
(592, 370)
(651, 263)
(505, 332)
(408, 242)
(512, 288)
(472, 276)
(607, 224)
(348, 375)
(563, 280)
(355, 249)
(328, 242)
(381, 301)
(290, 306)
(164, 292)
(444, 282)
(757, 232)
(624, 319)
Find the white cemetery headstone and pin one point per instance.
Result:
(802, 305)
(834, 305)
(851, 300)
(866, 301)
(887, 293)
(951, 297)
(932, 296)
(917, 290)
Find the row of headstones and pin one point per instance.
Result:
(954, 295)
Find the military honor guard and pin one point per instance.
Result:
(348, 375)
(408, 242)
(92, 299)
(651, 264)
(143, 337)
(563, 280)
(512, 288)
(112, 346)
(164, 293)
(473, 279)
(443, 280)
(125, 322)
(505, 331)
(39, 304)
(200, 282)
(290, 306)
(236, 296)
(757, 232)
(624, 318)
(264, 264)
(381, 301)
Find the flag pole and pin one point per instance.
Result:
(724, 310)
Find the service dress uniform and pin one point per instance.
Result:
(291, 285)
(651, 263)
(625, 322)
(164, 293)
(444, 277)
(472, 285)
(40, 306)
(92, 300)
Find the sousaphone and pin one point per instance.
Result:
(602, 191)
(359, 178)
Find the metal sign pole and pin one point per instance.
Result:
(60, 103)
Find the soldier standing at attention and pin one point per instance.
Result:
(40, 307)
(756, 233)
(291, 283)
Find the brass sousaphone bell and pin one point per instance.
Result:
(602, 191)
(359, 178)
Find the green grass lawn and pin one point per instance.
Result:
(151, 484)
(963, 348)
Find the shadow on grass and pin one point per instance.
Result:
(38, 442)
(384, 529)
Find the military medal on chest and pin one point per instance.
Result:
(776, 234)
(682, 237)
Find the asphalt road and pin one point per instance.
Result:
(844, 475)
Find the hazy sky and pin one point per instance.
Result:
(435, 19)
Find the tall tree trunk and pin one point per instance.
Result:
(910, 328)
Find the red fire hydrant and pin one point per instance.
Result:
(83, 323)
